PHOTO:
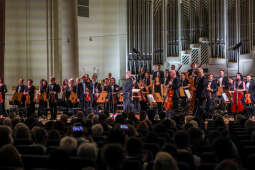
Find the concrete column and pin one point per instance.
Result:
(2, 36)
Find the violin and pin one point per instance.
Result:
(17, 97)
(53, 97)
(247, 98)
(41, 97)
(28, 101)
(73, 98)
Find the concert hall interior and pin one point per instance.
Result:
(127, 84)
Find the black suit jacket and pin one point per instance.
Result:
(53, 87)
(225, 83)
(201, 90)
(127, 88)
(214, 87)
(251, 90)
(22, 88)
(96, 85)
(81, 90)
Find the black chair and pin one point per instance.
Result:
(132, 165)
(183, 166)
(30, 150)
(208, 157)
(22, 142)
(207, 166)
(35, 161)
(153, 147)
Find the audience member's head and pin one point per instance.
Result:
(227, 165)
(8, 122)
(134, 147)
(97, 130)
(88, 151)
(10, 157)
(68, 144)
(21, 131)
(164, 161)
(5, 135)
(40, 135)
(113, 156)
(182, 139)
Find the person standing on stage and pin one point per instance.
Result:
(127, 92)
(201, 86)
(30, 98)
(193, 70)
(84, 93)
(3, 91)
(96, 89)
(222, 80)
(113, 90)
(141, 75)
(158, 73)
(42, 110)
(52, 92)
(20, 89)
(212, 90)
(250, 94)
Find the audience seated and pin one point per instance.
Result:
(147, 144)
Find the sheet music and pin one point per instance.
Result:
(187, 92)
(135, 90)
(151, 98)
(225, 97)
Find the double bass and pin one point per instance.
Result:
(1, 98)
(237, 105)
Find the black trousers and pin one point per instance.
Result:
(30, 108)
(53, 110)
(42, 110)
(2, 108)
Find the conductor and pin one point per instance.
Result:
(127, 92)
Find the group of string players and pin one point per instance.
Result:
(191, 92)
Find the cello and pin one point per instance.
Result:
(169, 99)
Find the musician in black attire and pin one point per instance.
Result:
(201, 86)
(223, 80)
(71, 89)
(63, 91)
(112, 95)
(52, 92)
(20, 89)
(184, 83)
(166, 77)
(250, 90)
(42, 110)
(84, 93)
(127, 92)
(174, 84)
(141, 75)
(212, 90)
(96, 89)
(3, 91)
(30, 98)
(193, 70)
(158, 73)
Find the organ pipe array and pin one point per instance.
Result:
(222, 23)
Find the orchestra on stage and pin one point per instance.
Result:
(171, 91)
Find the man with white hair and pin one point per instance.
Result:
(127, 92)
(88, 151)
(68, 144)
(201, 86)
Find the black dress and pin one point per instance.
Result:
(30, 107)
(42, 110)
(3, 90)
